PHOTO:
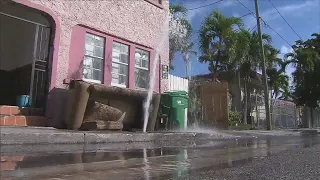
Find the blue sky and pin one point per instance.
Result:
(302, 15)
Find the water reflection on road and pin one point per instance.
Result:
(146, 163)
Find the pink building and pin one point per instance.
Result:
(46, 43)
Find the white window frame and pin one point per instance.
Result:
(143, 68)
(95, 57)
(121, 63)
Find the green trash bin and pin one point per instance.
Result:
(174, 104)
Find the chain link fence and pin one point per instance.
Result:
(283, 114)
(310, 117)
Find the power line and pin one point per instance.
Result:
(253, 28)
(251, 12)
(254, 15)
(285, 19)
(247, 8)
(279, 35)
(204, 5)
(245, 15)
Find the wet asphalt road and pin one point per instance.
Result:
(257, 158)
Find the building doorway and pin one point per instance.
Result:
(25, 57)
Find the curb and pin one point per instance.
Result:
(100, 138)
(310, 132)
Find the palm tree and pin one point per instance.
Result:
(277, 79)
(186, 51)
(250, 61)
(180, 30)
(306, 59)
(216, 40)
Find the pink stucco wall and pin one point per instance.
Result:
(137, 21)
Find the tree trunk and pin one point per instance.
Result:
(311, 118)
(249, 109)
(245, 110)
(187, 69)
(239, 92)
(271, 106)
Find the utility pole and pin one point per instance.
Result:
(264, 74)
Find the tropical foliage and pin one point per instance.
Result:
(306, 59)
(216, 41)
(180, 33)
(229, 48)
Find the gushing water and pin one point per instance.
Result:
(146, 105)
(211, 131)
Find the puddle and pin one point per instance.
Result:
(177, 161)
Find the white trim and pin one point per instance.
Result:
(142, 68)
(92, 80)
(96, 57)
(118, 85)
(120, 63)
(120, 74)
(91, 68)
(142, 89)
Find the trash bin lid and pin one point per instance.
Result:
(178, 93)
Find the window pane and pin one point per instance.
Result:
(125, 49)
(89, 49)
(97, 75)
(98, 51)
(99, 41)
(116, 46)
(115, 56)
(120, 74)
(142, 58)
(120, 79)
(141, 78)
(120, 53)
(87, 73)
(87, 61)
(124, 58)
(94, 45)
(145, 64)
(94, 40)
(89, 39)
(97, 64)
(93, 67)
(138, 62)
(119, 69)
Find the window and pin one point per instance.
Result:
(93, 59)
(120, 62)
(142, 68)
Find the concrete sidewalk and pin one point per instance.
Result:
(37, 135)
(282, 132)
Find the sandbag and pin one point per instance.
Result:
(99, 111)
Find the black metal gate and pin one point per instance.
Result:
(39, 74)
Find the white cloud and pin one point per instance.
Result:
(284, 50)
(235, 14)
(298, 8)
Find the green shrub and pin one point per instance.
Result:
(234, 118)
